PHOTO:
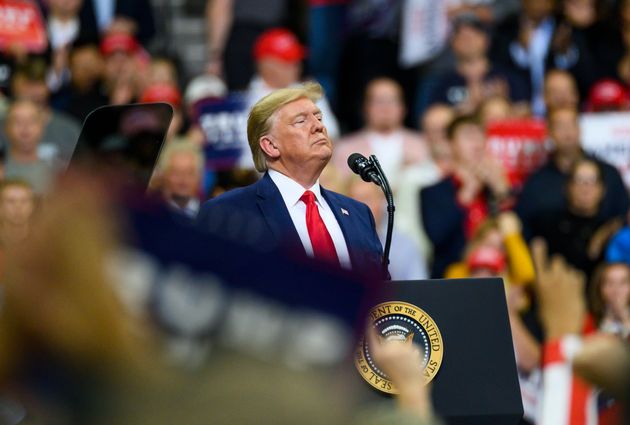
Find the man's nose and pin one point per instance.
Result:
(318, 126)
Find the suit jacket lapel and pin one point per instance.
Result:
(348, 228)
(276, 214)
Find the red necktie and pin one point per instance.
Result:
(323, 246)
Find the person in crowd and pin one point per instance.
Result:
(405, 260)
(233, 28)
(64, 27)
(61, 131)
(24, 127)
(84, 91)
(123, 65)
(453, 208)
(576, 357)
(17, 205)
(168, 93)
(290, 144)
(610, 299)
(278, 56)
(560, 90)
(505, 251)
(579, 231)
(179, 173)
(607, 95)
(133, 17)
(474, 77)
(384, 135)
(495, 109)
(529, 43)
(542, 192)
(433, 123)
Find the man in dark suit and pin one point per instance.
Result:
(288, 208)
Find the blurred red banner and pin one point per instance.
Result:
(21, 24)
(520, 145)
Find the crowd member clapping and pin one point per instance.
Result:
(474, 77)
(453, 208)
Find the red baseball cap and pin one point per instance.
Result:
(279, 43)
(119, 42)
(487, 257)
(162, 93)
(607, 94)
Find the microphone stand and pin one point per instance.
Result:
(387, 190)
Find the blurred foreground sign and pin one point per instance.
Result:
(519, 145)
(607, 136)
(224, 125)
(21, 24)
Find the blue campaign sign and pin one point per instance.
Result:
(224, 125)
(223, 287)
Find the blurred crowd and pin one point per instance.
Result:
(419, 85)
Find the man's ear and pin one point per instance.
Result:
(269, 147)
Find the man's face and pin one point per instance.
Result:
(434, 123)
(65, 7)
(537, 10)
(86, 66)
(35, 91)
(279, 74)
(24, 127)
(182, 177)
(384, 109)
(299, 135)
(564, 130)
(560, 91)
(469, 42)
(469, 144)
(16, 205)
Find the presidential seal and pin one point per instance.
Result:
(401, 322)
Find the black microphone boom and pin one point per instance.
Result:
(370, 170)
(365, 168)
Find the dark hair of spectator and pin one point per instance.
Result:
(34, 69)
(596, 301)
(582, 161)
(461, 121)
(13, 182)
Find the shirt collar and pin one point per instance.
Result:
(291, 190)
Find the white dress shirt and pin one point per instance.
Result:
(291, 192)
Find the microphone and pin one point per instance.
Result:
(365, 168)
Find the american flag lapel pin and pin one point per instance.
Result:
(345, 212)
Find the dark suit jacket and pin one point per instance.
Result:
(257, 214)
(443, 220)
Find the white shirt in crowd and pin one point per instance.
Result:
(291, 192)
(388, 148)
